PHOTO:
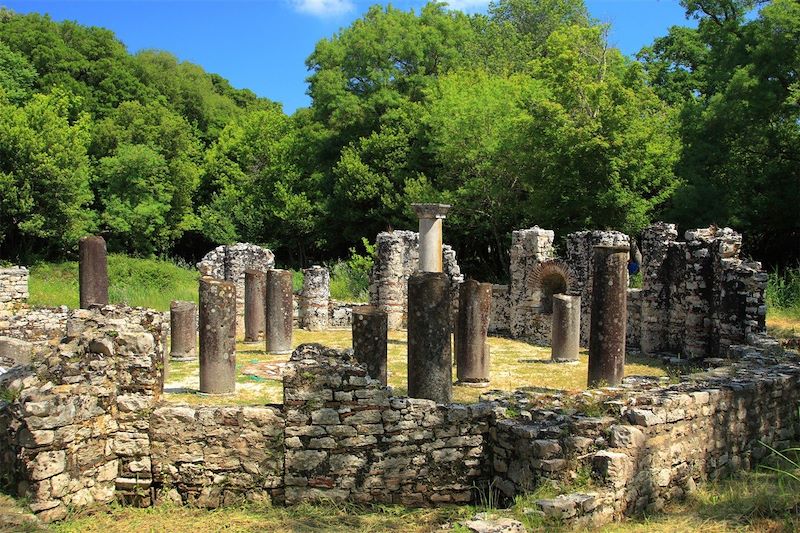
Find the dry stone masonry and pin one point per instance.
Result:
(13, 289)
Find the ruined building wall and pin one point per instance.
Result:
(13, 289)
(397, 257)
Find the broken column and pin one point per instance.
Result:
(217, 336)
(370, 337)
(92, 271)
(255, 301)
(608, 315)
(279, 311)
(183, 330)
(430, 374)
(566, 335)
(472, 328)
(316, 296)
(430, 235)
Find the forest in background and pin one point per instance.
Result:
(521, 116)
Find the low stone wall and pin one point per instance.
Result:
(13, 289)
(347, 438)
(212, 456)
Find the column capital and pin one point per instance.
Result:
(431, 210)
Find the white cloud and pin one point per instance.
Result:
(323, 8)
(467, 5)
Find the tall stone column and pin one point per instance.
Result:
(370, 337)
(472, 328)
(430, 372)
(566, 336)
(279, 311)
(609, 315)
(255, 304)
(316, 296)
(183, 330)
(92, 271)
(430, 235)
(217, 336)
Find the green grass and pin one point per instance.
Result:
(137, 282)
(783, 293)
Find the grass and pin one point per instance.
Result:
(150, 283)
(515, 364)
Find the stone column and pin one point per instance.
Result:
(279, 311)
(430, 235)
(472, 328)
(255, 302)
(316, 296)
(183, 330)
(370, 337)
(217, 336)
(92, 271)
(566, 336)
(608, 315)
(430, 372)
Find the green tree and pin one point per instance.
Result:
(16, 75)
(44, 175)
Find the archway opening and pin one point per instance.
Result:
(552, 283)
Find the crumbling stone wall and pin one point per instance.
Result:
(74, 432)
(347, 438)
(230, 261)
(397, 257)
(13, 289)
(698, 297)
(213, 456)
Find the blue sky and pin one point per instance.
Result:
(262, 44)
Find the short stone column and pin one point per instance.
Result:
(370, 338)
(217, 336)
(472, 328)
(316, 296)
(255, 305)
(608, 316)
(92, 271)
(430, 372)
(183, 330)
(430, 235)
(279, 311)
(566, 336)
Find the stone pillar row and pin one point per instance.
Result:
(279, 311)
(217, 336)
(609, 316)
(471, 331)
(255, 287)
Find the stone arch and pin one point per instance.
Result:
(549, 278)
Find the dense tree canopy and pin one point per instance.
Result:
(524, 115)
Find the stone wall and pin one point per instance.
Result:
(347, 438)
(698, 297)
(397, 257)
(13, 289)
(230, 261)
(634, 325)
(75, 433)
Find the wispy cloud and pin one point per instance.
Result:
(467, 5)
(323, 8)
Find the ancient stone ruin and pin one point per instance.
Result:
(84, 421)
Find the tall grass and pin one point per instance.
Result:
(783, 292)
(150, 283)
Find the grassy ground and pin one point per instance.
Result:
(515, 364)
(137, 282)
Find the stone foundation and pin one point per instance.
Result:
(13, 289)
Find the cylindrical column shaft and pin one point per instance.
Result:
(217, 336)
(279, 311)
(370, 338)
(430, 235)
(566, 335)
(430, 372)
(609, 316)
(183, 330)
(472, 328)
(316, 295)
(92, 271)
(255, 305)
